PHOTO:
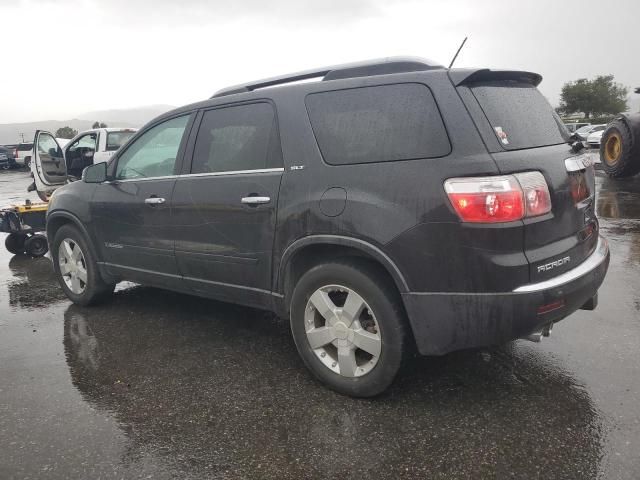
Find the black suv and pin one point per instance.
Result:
(392, 205)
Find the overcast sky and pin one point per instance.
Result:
(62, 58)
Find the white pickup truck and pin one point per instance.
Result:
(54, 164)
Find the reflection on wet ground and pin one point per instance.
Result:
(162, 385)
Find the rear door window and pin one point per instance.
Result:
(519, 115)
(384, 123)
(237, 138)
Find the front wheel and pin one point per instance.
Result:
(349, 327)
(76, 268)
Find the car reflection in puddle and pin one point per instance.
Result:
(221, 389)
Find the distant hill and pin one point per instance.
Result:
(131, 117)
(135, 116)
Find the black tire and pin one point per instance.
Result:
(14, 243)
(382, 297)
(618, 157)
(96, 289)
(36, 246)
(27, 163)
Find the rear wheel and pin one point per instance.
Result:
(76, 268)
(14, 243)
(617, 156)
(349, 327)
(36, 246)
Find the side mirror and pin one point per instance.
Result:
(95, 173)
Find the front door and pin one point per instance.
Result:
(48, 168)
(224, 210)
(133, 210)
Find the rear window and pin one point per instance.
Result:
(25, 147)
(377, 124)
(519, 115)
(116, 139)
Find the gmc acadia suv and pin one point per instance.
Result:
(391, 205)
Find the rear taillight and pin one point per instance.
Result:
(15, 152)
(498, 199)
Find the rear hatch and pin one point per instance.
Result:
(523, 133)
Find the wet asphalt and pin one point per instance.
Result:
(161, 385)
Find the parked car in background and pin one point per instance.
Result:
(58, 163)
(7, 158)
(593, 140)
(584, 132)
(389, 206)
(23, 152)
(573, 127)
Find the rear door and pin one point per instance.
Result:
(49, 167)
(524, 134)
(224, 209)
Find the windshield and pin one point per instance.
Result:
(584, 129)
(519, 115)
(116, 139)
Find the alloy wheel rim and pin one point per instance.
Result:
(342, 331)
(73, 266)
(613, 149)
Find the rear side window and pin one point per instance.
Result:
(242, 137)
(519, 115)
(116, 139)
(25, 147)
(377, 124)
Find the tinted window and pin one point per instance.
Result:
(154, 153)
(116, 139)
(243, 137)
(377, 124)
(520, 115)
(25, 147)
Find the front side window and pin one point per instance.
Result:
(51, 158)
(87, 142)
(237, 138)
(377, 124)
(154, 153)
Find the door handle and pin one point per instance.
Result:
(255, 200)
(154, 201)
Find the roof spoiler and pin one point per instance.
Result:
(463, 76)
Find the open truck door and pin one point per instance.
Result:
(48, 167)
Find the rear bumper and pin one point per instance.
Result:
(444, 322)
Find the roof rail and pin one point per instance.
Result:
(380, 66)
